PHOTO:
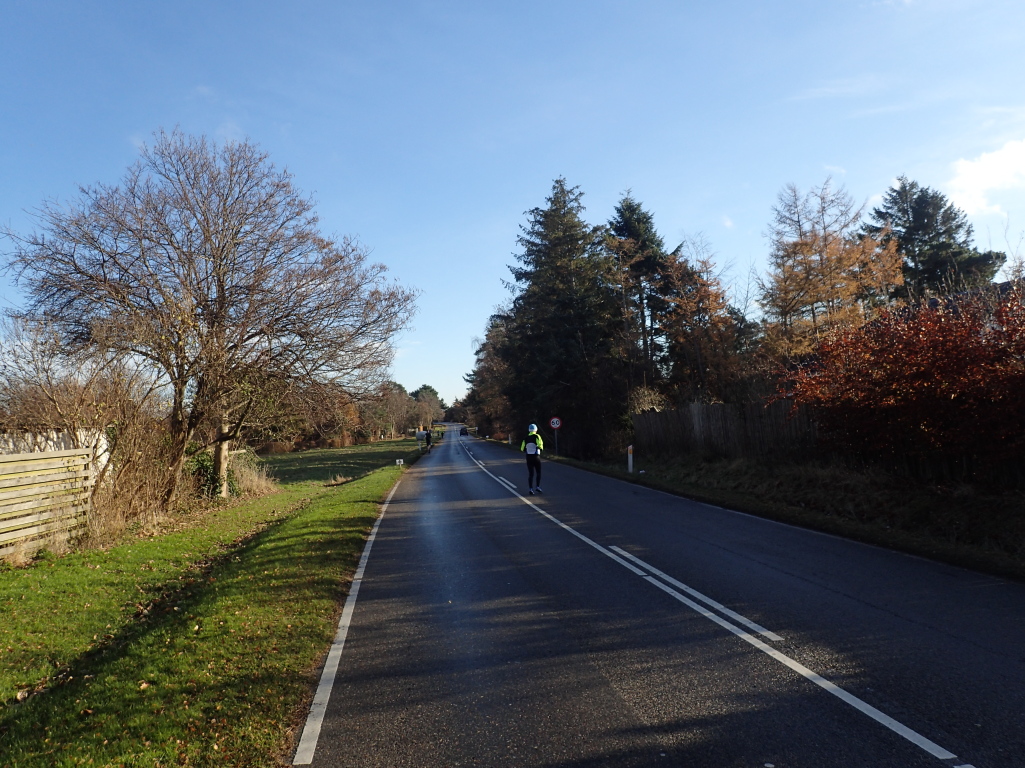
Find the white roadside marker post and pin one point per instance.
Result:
(630, 459)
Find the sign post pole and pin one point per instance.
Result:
(555, 422)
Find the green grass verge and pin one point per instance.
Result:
(961, 525)
(198, 647)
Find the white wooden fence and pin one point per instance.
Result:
(43, 495)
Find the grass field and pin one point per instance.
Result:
(198, 647)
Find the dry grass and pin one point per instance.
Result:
(251, 475)
(132, 499)
(20, 555)
(337, 480)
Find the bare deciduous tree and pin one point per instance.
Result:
(207, 264)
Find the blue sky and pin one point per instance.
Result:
(428, 128)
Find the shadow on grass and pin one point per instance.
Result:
(220, 659)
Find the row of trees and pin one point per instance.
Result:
(202, 291)
(605, 320)
(602, 316)
(394, 412)
(832, 266)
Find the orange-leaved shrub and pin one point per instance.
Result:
(943, 382)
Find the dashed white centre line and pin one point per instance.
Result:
(622, 557)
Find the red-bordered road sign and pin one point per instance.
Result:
(555, 423)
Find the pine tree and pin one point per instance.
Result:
(562, 340)
(934, 240)
(486, 400)
(640, 254)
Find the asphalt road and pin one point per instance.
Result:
(603, 624)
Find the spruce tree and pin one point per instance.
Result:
(640, 254)
(934, 239)
(562, 340)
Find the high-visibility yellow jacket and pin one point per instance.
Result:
(532, 444)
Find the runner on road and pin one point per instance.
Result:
(532, 445)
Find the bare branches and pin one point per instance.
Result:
(206, 265)
(824, 271)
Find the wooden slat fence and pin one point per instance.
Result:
(43, 495)
(732, 431)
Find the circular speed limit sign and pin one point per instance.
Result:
(556, 422)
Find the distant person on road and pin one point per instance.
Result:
(427, 438)
(532, 445)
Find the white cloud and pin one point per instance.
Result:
(229, 130)
(727, 222)
(836, 169)
(974, 180)
(862, 85)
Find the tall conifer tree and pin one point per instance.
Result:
(934, 239)
(640, 254)
(562, 335)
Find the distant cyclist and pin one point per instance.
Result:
(532, 445)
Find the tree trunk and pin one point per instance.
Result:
(221, 459)
(174, 473)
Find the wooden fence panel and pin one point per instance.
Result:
(43, 495)
(733, 431)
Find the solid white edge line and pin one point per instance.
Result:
(848, 698)
(314, 721)
(703, 598)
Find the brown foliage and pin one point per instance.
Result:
(823, 273)
(945, 380)
(98, 402)
(695, 319)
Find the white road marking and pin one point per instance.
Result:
(311, 731)
(703, 598)
(576, 533)
(509, 485)
(864, 707)
(913, 736)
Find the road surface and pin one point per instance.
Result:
(604, 624)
